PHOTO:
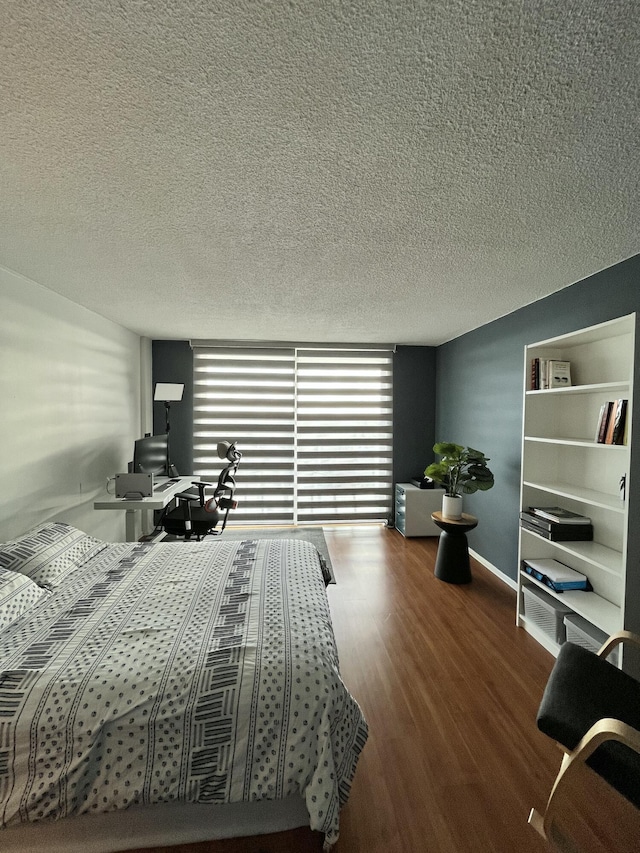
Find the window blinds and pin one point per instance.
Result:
(314, 425)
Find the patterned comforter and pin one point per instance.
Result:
(197, 672)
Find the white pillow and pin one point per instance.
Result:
(17, 594)
(48, 553)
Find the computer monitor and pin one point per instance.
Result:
(151, 455)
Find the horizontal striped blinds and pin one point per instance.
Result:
(314, 426)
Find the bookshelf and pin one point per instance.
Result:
(564, 464)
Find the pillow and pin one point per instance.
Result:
(17, 594)
(48, 553)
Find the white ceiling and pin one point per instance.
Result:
(364, 171)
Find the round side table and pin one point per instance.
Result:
(452, 561)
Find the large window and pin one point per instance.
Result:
(314, 425)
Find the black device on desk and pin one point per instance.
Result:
(134, 487)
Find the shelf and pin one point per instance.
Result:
(563, 465)
(607, 331)
(591, 552)
(596, 388)
(587, 496)
(575, 442)
(597, 610)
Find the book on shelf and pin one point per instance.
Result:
(601, 426)
(558, 373)
(546, 524)
(612, 422)
(555, 575)
(559, 514)
(535, 374)
(619, 417)
(549, 373)
(559, 532)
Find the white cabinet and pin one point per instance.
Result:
(413, 508)
(564, 464)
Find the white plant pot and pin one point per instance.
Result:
(452, 506)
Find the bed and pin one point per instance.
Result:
(161, 693)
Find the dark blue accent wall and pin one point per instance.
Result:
(414, 387)
(479, 386)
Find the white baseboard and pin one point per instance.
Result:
(509, 581)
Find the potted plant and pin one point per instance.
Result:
(461, 470)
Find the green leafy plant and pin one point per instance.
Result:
(461, 470)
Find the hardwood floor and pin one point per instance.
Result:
(450, 689)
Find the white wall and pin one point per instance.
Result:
(70, 409)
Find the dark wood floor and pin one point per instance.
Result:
(450, 689)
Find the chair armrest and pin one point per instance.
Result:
(617, 638)
(606, 729)
(185, 496)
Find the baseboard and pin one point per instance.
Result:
(509, 581)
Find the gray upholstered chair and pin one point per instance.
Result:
(592, 709)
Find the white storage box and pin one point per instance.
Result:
(546, 612)
(583, 633)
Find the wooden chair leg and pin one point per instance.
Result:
(605, 729)
(556, 840)
(544, 823)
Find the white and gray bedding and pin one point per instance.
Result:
(173, 672)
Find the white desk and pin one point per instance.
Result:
(158, 500)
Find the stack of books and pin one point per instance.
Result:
(612, 423)
(555, 575)
(556, 523)
(549, 373)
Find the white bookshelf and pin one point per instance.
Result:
(563, 464)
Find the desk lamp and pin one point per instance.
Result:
(167, 393)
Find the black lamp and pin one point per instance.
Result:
(167, 393)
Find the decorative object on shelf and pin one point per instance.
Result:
(461, 470)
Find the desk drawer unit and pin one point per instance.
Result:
(413, 508)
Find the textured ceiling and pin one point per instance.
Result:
(326, 171)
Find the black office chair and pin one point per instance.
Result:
(592, 710)
(197, 515)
